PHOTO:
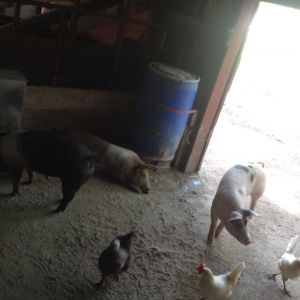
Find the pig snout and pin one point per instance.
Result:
(141, 180)
(244, 239)
(240, 232)
(246, 242)
(243, 235)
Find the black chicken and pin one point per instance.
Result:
(116, 258)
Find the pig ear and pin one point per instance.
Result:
(235, 215)
(249, 213)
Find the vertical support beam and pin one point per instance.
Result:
(38, 10)
(74, 18)
(59, 47)
(119, 43)
(196, 6)
(16, 15)
(191, 155)
(181, 57)
(163, 38)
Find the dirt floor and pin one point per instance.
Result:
(45, 256)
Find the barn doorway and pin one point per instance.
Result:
(260, 118)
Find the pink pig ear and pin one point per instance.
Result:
(235, 215)
(249, 213)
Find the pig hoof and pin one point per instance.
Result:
(26, 182)
(209, 241)
(99, 286)
(58, 210)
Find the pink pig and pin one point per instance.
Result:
(237, 184)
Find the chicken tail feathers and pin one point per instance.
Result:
(235, 274)
(292, 244)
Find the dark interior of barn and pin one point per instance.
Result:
(111, 104)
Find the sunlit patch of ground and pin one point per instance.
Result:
(260, 118)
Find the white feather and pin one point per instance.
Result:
(292, 244)
(289, 264)
(219, 287)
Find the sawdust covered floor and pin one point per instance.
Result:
(45, 256)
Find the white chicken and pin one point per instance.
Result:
(218, 287)
(289, 264)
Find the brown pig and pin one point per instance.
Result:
(116, 162)
(237, 184)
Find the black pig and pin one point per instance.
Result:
(50, 153)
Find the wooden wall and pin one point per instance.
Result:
(197, 34)
(107, 114)
(197, 38)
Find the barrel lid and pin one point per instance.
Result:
(173, 73)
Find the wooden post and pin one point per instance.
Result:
(190, 155)
(59, 47)
(119, 43)
(74, 18)
(16, 15)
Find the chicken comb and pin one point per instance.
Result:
(201, 267)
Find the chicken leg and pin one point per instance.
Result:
(285, 290)
(273, 276)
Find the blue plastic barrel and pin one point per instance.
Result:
(163, 109)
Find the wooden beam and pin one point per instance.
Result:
(191, 25)
(16, 14)
(128, 19)
(36, 21)
(102, 112)
(192, 155)
(74, 18)
(37, 59)
(119, 43)
(51, 5)
(52, 17)
(60, 37)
